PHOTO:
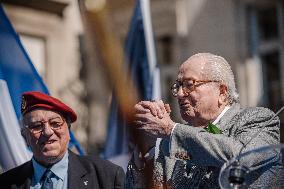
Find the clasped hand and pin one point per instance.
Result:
(153, 118)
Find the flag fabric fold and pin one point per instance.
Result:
(16, 67)
(12, 145)
(146, 79)
(19, 75)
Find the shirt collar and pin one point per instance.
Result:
(59, 169)
(38, 170)
(221, 115)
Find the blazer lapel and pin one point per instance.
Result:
(27, 184)
(225, 120)
(26, 176)
(79, 176)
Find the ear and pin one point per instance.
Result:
(25, 136)
(223, 94)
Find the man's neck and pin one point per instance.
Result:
(215, 116)
(49, 162)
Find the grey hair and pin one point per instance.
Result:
(21, 122)
(217, 68)
(68, 121)
(23, 128)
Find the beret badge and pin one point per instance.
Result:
(24, 104)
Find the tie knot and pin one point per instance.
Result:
(47, 183)
(48, 173)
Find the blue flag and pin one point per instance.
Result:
(136, 53)
(138, 64)
(16, 67)
(17, 70)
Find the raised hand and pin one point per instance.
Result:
(157, 108)
(153, 118)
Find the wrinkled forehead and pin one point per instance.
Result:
(40, 114)
(192, 68)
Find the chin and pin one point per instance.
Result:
(48, 160)
(51, 153)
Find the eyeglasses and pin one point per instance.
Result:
(188, 86)
(38, 126)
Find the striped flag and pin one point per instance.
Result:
(17, 75)
(141, 59)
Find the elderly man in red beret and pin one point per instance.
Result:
(46, 122)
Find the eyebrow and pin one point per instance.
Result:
(184, 79)
(47, 119)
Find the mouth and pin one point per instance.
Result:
(48, 142)
(184, 104)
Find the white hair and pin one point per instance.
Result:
(217, 68)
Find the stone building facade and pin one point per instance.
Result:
(248, 33)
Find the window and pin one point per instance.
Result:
(35, 47)
(267, 23)
(266, 36)
(165, 47)
(265, 44)
(272, 85)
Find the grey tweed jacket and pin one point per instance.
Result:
(192, 157)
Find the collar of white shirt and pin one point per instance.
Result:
(221, 115)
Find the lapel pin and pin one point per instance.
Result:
(86, 183)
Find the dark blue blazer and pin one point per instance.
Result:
(83, 172)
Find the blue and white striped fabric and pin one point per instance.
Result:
(17, 75)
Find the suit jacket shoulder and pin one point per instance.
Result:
(18, 177)
(83, 172)
(239, 127)
(93, 172)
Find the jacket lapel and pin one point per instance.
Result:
(25, 176)
(27, 184)
(80, 175)
(225, 120)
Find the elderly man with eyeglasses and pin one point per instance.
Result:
(191, 154)
(46, 122)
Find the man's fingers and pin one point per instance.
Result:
(141, 117)
(140, 109)
(149, 105)
(144, 118)
(168, 108)
(138, 123)
(161, 107)
(156, 107)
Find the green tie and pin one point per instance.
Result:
(211, 128)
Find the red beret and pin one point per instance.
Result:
(32, 100)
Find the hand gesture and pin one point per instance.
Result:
(153, 118)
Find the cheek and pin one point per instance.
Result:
(194, 99)
(208, 102)
(65, 138)
(31, 140)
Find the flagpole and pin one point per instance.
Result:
(146, 14)
(150, 47)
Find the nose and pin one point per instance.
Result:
(181, 93)
(47, 131)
